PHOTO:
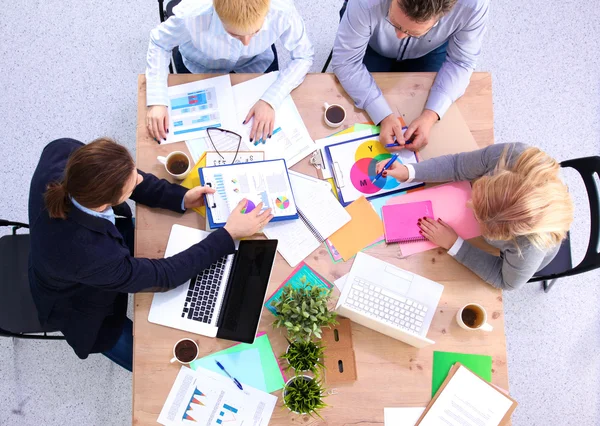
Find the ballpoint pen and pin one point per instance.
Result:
(387, 166)
(408, 142)
(238, 384)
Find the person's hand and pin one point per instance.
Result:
(264, 120)
(419, 129)
(438, 232)
(397, 170)
(157, 122)
(390, 127)
(240, 225)
(195, 196)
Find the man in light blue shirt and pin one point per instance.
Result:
(408, 35)
(222, 36)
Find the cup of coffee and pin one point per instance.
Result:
(177, 164)
(473, 317)
(185, 351)
(334, 115)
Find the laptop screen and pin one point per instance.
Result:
(246, 290)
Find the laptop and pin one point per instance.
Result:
(390, 300)
(226, 299)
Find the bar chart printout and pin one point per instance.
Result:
(203, 397)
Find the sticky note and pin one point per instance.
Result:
(364, 227)
(193, 180)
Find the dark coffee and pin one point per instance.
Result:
(335, 114)
(178, 164)
(186, 351)
(472, 316)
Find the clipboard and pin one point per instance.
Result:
(451, 374)
(234, 182)
(348, 179)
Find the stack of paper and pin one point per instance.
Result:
(320, 216)
(253, 364)
(203, 397)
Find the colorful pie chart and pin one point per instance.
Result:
(282, 202)
(249, 207)
(363, 171)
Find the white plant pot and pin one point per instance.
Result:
(305, 377)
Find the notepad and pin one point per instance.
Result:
(400, 221)
(320, 215)
(364, 228)
(449, 203)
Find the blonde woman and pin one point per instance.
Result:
(519, 200)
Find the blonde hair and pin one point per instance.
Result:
(242, 14)
(527, 199)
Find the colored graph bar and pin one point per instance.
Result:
(219, 421)
(230, 408)
(196, 129)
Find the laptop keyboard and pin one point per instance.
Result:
(378, 302)
(202, 294)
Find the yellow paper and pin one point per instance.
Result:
(193, 180)
(364, 228)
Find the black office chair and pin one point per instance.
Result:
(328, 61)
(561, 265)
(165, 11)
(18, 314)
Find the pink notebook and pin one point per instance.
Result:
(400, 221)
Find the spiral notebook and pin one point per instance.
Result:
(400, 221)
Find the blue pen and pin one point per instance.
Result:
(408, 142)
(387, 166)
(238, 384)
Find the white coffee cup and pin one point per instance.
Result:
(172, 160)
(330, 123)
(175, 358)
(476, 316)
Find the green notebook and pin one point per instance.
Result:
(443, 362)
(274, 378)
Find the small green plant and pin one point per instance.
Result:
(304, 395)
(303, 311)
(305, 356)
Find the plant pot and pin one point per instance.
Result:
(303, 371)
(303, 377)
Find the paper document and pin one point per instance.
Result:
(467, 400)
(320, 216)
(340, 283)
(402, 416)
(202, 397)
(290, 139)
(193, 107)
(264, 182)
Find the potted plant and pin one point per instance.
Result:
(303, 395)
(303, 311)
(304, 356)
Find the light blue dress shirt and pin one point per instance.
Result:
(107, 214)
(207, 48)
(364, 24)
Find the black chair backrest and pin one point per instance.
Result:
(587, 168)
(166, 12)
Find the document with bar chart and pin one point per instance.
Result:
(265, 182)
(193, 107)
(202, 397)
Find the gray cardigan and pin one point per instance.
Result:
(511, 270)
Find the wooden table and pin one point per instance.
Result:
(390, 373)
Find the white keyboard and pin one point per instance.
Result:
(378, 302)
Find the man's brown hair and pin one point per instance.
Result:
(95, 175)
(424, 10)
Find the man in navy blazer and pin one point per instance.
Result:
(81, 267)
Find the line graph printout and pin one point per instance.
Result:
(202, 397)
(193, 107)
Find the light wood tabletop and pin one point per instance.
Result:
(390, 373)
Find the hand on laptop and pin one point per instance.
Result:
(240, 225)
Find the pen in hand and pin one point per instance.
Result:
(238, 384)
(387, 166)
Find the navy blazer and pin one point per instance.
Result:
(80, 269)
